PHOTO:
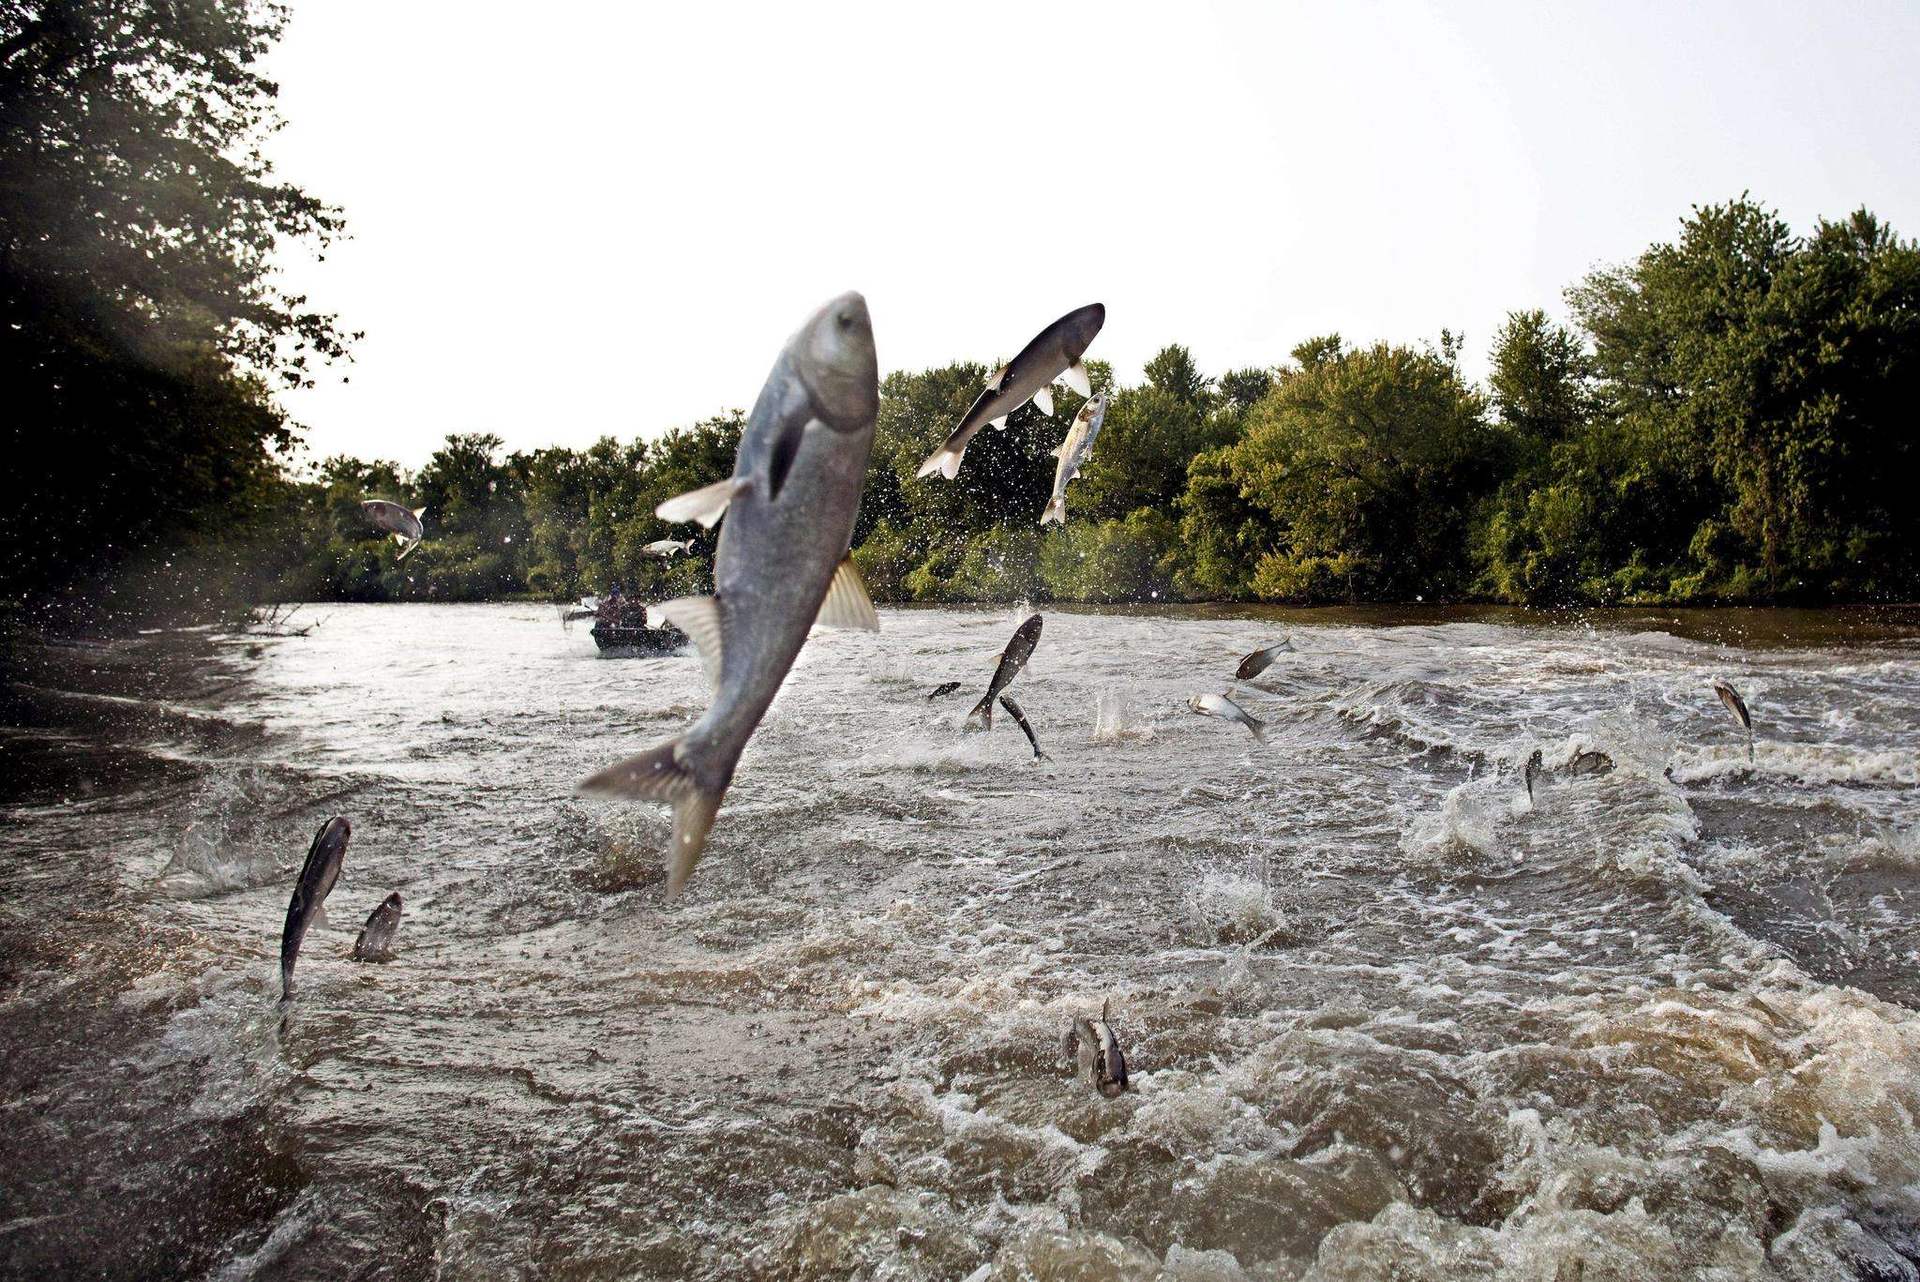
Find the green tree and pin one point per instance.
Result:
(1369, 464)
(141, 327)
(1540, 377)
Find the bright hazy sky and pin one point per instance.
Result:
(576, 220)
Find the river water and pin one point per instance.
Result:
(1386, 1017)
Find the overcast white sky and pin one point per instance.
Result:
(575, 220)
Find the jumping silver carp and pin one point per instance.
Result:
(403, 524)
(376, 937)
(1738, 707)
(1097, 1050)
(781, 565)
(1218, 705)
(1533, 771)
(1075, 450)
(317, 875)
(1260, 660)
(1054, 351)
(1013, 710)
(666, 547)
(1012, 659)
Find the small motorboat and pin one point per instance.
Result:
(626, 640)
(622, 629)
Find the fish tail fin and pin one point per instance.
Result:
(1259, 729)
(1056, 511)
(659, 774)
(945, 461)
(983, 710)
(286, 981)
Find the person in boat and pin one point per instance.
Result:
(618, 612)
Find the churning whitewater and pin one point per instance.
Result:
(1384, 1014)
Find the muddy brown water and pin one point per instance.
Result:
(1386, 1017)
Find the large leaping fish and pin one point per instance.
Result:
(1097, 1051)
(781, 564)
(1738, 707)
(1074, 451)
(1012, 659)
(317, 875)
(1218, 705)
(1054, 351)
(403, 524)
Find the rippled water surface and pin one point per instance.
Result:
(1387, 1017)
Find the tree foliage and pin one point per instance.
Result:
(1725, 421)
(142, 331)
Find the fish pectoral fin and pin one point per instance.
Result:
(996, 378)
(847, 604)
(1083, 1032)
(1044, 399)
(706, 504)
(699, 618)
(319, 917)
(1076, 376)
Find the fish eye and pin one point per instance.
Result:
(845, 319)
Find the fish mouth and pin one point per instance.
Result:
(838, 366)
(1084, 325)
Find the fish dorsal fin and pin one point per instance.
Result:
(1043, 399)
(706, 504)
(847, 604)
(1076, 376)
(699, 618)
(420, 512)
(996, 378)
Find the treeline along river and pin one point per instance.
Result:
(1386, 1016)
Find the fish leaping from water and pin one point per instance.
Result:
(1260, 660)
(780, 567)
(402, 523)
(1012, 659)
(1738, 707)
(1075, 450)
(1218, 705)
(1097, 1052)
(317, 875)
(1054, 351)
(376, 937)
(1013, 710)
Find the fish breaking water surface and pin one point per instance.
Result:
(1382, 1018)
